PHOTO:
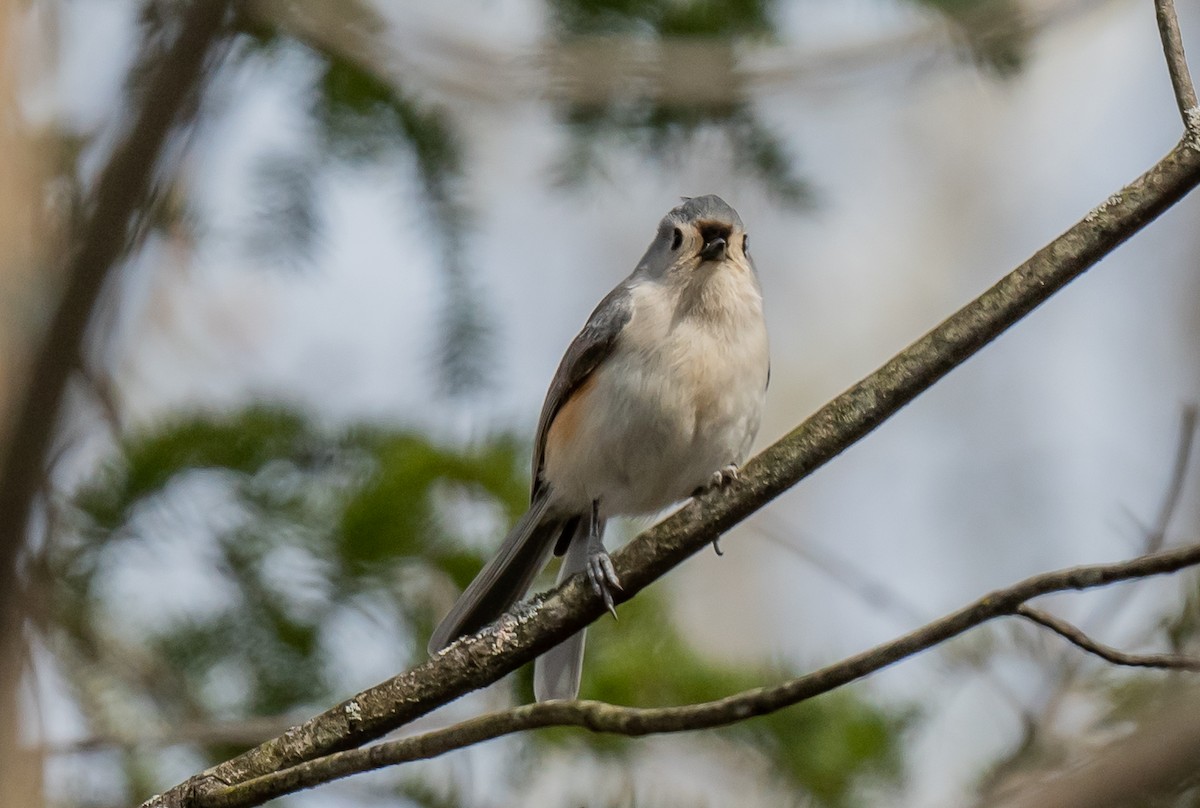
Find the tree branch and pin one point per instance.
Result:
(1157, 535)
(601, 717)
(1076, 637)
(1181, 77)
(538, 625)
(117, 194)
(474, 69)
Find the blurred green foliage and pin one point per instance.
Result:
(712, 18)
(365, 119)
(362, 116)
(314, 527)
(994, 32)
(821, 747)
(661, 132)
(296, 531)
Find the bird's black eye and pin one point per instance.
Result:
(746, 244)
(677, 239)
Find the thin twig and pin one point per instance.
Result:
(1067, 666)
(1156, 534)
(1183, 455)
(1117, 657)
(876, 592)
(634, 721)
(1181, 77)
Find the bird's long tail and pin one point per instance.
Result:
(503, 580)
(556, 673)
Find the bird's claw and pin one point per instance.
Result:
(719, 479)
(603, 578)
(724, 476)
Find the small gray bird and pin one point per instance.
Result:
(657, 398)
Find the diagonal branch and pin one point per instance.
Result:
(537, 626)
(602, 717)
(547, 620)
(1075, 636)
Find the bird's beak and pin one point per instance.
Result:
(713, 250)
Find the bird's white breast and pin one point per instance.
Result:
(679, 398)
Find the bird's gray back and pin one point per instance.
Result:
(589, 349)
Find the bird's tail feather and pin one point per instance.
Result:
(503, 580)
(556, 673)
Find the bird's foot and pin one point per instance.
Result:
(724, 476)
(603, 577)
(720, 478)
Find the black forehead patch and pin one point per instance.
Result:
(711, 230)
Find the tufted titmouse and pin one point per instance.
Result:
(658, 397)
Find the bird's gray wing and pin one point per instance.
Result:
(589, 348)
(528, 545)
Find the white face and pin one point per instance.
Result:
(695, 238)
(707, 243)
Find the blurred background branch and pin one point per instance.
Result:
(171, 68)
(167, 89)
(1155, 764)
(20, 768)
